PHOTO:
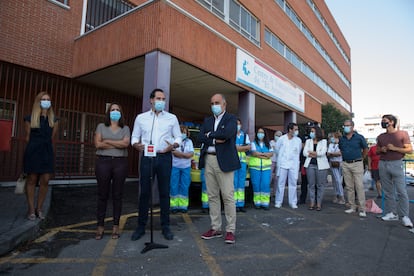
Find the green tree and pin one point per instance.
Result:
(332, 118)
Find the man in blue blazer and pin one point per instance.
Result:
(218, 156)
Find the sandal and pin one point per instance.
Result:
(115, 233)
(311, 208)
(99, 233)
(40, 214)
(31, 216)
(318, 208)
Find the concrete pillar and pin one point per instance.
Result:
(290, 117)
(247, 109)
(157, 74)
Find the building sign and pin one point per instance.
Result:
(258, 76)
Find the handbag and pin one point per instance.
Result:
(20, 184)
(335, 164)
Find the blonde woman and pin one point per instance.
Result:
(41, 128)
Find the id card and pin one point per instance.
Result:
(150, 151)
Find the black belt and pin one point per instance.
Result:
(353, 161)
(109, 157)
(211, 153)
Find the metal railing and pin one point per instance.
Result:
(101, 11)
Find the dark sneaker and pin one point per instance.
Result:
(211, 234)
(168, 235)
(230, 238)
(138, 233)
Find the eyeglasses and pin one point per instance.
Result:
(115, 109)
(346, 126)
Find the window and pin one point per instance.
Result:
(291, 56)
(215, 6)
(244, 22)
(236, 16)
(62, 3)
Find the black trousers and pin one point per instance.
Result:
(161, 167)
(110, 174)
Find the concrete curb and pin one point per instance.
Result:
(24, 230)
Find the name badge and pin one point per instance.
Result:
(150, 151)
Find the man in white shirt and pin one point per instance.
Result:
(156, 133)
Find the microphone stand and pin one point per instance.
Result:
(152, 245)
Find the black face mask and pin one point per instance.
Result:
(384, 124)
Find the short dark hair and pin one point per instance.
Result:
(152, 95)
(291, 125)
(391, 118)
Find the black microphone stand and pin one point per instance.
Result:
(152, 245)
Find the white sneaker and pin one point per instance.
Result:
(390, 217)
(362, 214)
(277, 205)
(294, 206)
(350, 211)
(407, 222)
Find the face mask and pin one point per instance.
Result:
(183, 136)
(384, 124)
(115, 115)
(296, 133)
(238, 127)
(276, 138)
(312, 135)
(216, 109)
(260, 136)
(347, 129)
(333, 140)
(45, 104)
(159, 105)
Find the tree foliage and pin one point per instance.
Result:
(332, 118)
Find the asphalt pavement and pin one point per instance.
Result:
(275, 242)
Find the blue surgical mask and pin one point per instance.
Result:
(159, 105)
(115, 115)
(216, 109)
(333, 140)
(45, 104)
(183, 136)
(260, 136)
(312, 135)
(276, 137)
(238, 127)
(296, 133)
(347, 129)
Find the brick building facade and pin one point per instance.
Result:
(92, 52)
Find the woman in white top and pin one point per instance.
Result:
(317, 166)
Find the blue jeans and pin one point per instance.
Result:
(161, 167)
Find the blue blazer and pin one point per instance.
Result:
(226, 152)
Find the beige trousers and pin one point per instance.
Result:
(218, 181)
(353, 174)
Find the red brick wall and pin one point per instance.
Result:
(39, 34)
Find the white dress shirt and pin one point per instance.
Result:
(157, 130)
